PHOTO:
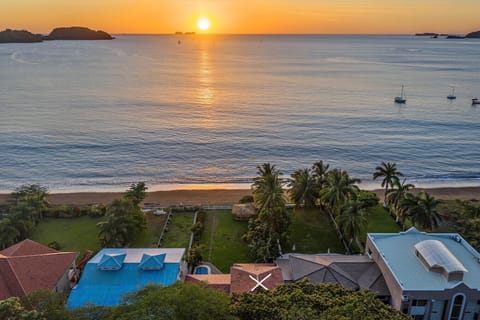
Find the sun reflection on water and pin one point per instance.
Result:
(205, 92)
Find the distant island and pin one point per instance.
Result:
(471, 35)
(426, 34)
(78, 33)
(19, 36)
(474, 35)
(64, 33)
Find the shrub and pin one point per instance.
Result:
(246, 199)
(197, 230)
(54, 245)
(367, 199)
(194, 256)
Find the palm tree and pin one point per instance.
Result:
(125, 221)
(396, 195)
(352, 222)
(389, 172)
(320, 171)
(268, 190)
(302, 188)
(424, 212)
(113, 232)
(338, 189)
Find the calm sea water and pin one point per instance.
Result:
(208, 109)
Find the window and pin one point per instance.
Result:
(418, 317)
(419, 303)
(456, 310)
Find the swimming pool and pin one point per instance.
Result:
(202, 269)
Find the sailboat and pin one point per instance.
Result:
(402, 98)
(452, 96)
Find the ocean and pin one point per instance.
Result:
(202, 110)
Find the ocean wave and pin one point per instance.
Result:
(17, 57)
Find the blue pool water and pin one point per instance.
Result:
(201, 270)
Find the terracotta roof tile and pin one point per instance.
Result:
(246, 277)
(27, 247)
(9, 284)
(22, 270)
(255, 268)
(209, 278)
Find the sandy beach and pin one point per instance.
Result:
(219, 196)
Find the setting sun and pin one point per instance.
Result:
(203, 24)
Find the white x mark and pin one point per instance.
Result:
(259, 283)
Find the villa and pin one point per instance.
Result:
(28, 266)
(112, 273)
(434, 276)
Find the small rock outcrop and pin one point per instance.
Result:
(19, 36)
(78, 33)
(475, 35)
(243, 211)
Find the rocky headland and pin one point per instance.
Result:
(475, 35)
(78, 33)
(64, 33)
(19, 36)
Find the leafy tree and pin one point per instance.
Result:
(303, 190)
(12, 309)
(8, 233)
(467, 222)
(303, 300)
(50, 304)
(91, 312)
(181, 301)
(389, 172)
(34, 196)
(268, 190)
(137, 193)
(267, 234)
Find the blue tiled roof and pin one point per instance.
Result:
(152, 262)
(106, 287)
(111, 261)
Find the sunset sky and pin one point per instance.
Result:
(245, 16)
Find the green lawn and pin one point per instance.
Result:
(178, 235)
(76, 234)
(224, 235)
(312, 232)
(379, 220)
(149, 238)
(80, 234)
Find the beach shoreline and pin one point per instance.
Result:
(219, 196)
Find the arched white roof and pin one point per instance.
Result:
(436, 254)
